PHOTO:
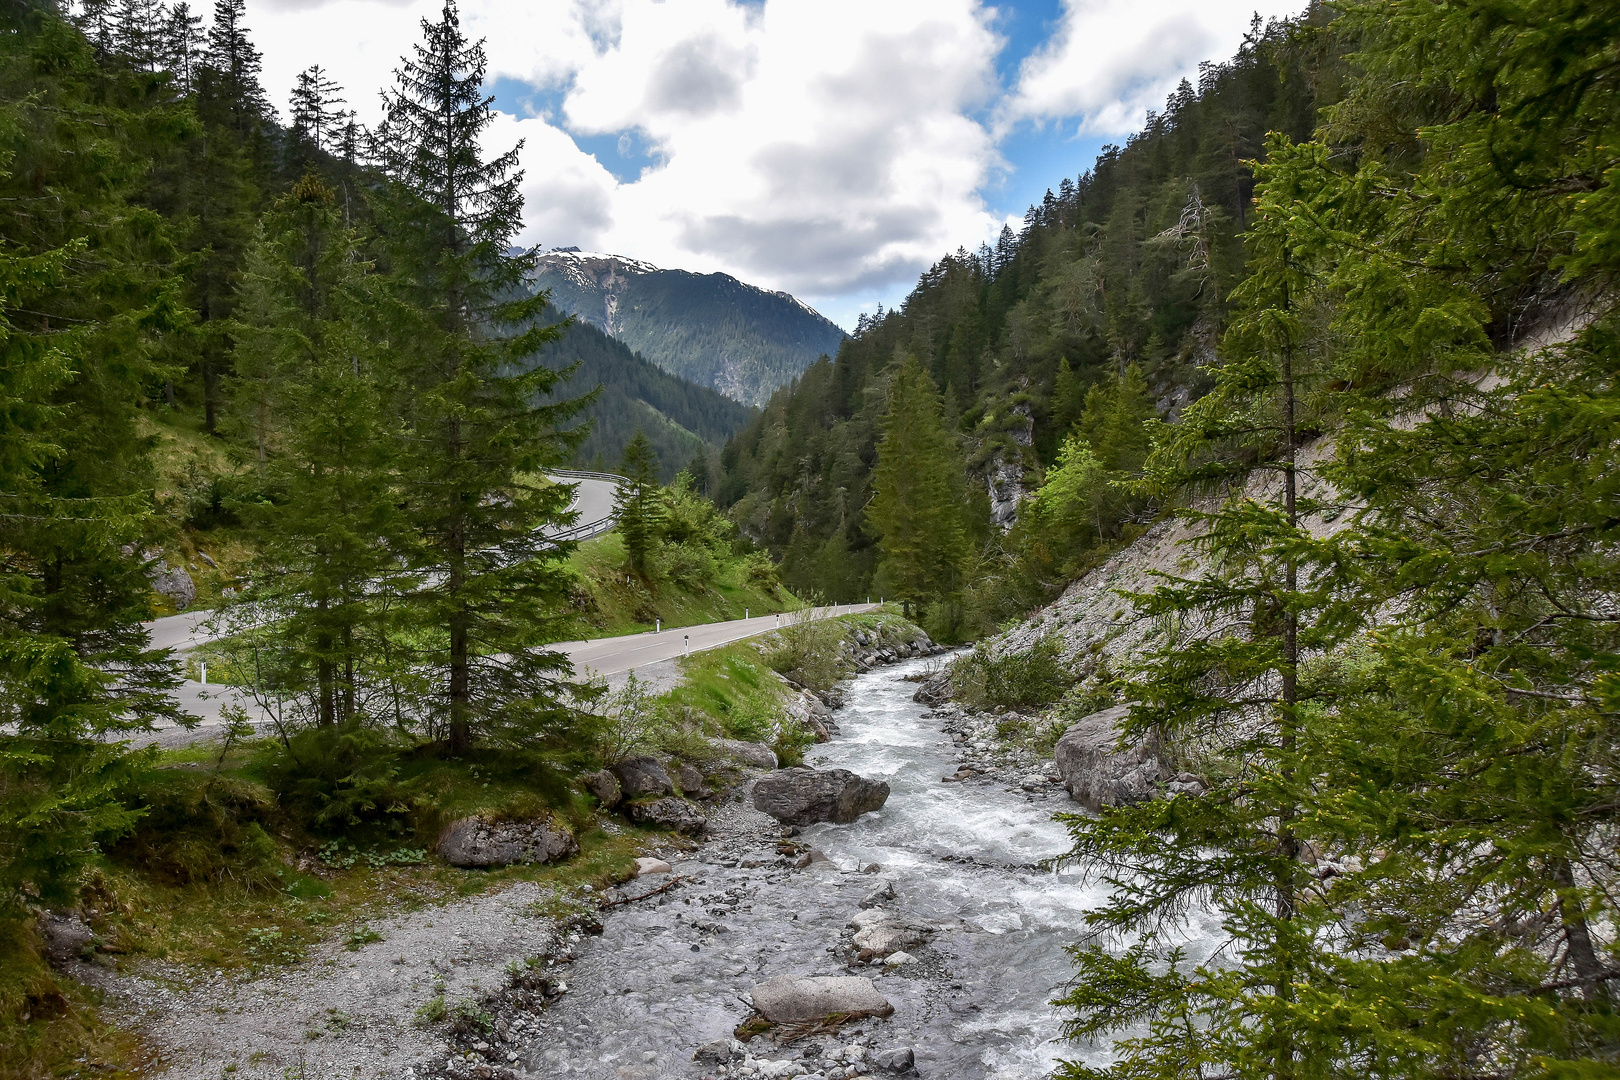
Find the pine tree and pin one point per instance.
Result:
(313, 355)
(482, 423)
(83, 291)
(318, 122)
(181, 43)
(235, 65)
(918, 505)
(1223, 688)
(638, 501)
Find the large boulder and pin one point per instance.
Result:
(691, 780)
(673, 815)
(935, 689)
(803, 796)
(1099, 772)
(475, 842)
(605, 786)
(795, 999)
(642, 776)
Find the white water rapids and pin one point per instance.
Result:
(673, 973)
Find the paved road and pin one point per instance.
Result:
(611, 656)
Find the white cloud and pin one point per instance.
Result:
(833, 148)
(1110, 61)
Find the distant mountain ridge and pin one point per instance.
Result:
(684, 421)
(710, 329)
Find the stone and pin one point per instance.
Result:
(174, 583)
(878, 895)
(212, 565)
(674, 815)
(605, 786)
(475, 842)
(804, 796)
(690, 779)
(65, 936)
(795, 999)
(884, 932)
(756, 754)
(719, 1052)
(935, 690)
(898, 959)
(1098, 772)
(649, 865)
(643, 775)
(900, 1059)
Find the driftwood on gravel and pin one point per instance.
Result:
(621, 901)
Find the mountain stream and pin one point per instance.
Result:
(673, 972)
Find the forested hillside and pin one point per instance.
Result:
(1111, 297)
(683, 422)
(708, 328)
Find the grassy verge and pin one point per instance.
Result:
(616, 601)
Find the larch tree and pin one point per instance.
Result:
(482, 421)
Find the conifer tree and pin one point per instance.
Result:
(316, 367)
(318, 121)
(181, 45)
(82, 293)
(1222, 687)
(638, 501)
(235, 65)
(918, 505)
(481, 421)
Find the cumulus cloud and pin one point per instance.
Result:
(833, 148)
(1110, 61)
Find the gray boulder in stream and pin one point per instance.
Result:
(1098, 771)
(795, 999)
(804, 796)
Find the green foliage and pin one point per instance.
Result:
(1128, 264)
(637, 502)
(810, 651)
(194, 829)
(1035, 676)
(334, 780)
(918, 504)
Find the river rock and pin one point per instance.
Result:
(675, 815)
(886, 932)
(899, 1060)
(803, 796)
(1098, 772)
(935, 690)
(474, 842)
(719, 1052)
(879, 895)
(756, 754)
(794, 999)
(605, 786)
(648, 865)
(643, 775)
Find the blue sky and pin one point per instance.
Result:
(830, 148)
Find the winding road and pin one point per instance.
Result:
(598, 657)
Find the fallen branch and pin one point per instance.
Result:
(665, 887)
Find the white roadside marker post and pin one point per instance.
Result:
(205, 674)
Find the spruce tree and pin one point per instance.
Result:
(315, 365)
(482, 423)
(318, 121)
(83, 293)
(918, 504)
(638, 501)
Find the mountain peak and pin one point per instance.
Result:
(712, 329)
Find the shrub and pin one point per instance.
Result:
(810, 652)
(333, 780)
(196, 828)
(1036, 676)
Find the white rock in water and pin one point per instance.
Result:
(794, 999)
(648, 865)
